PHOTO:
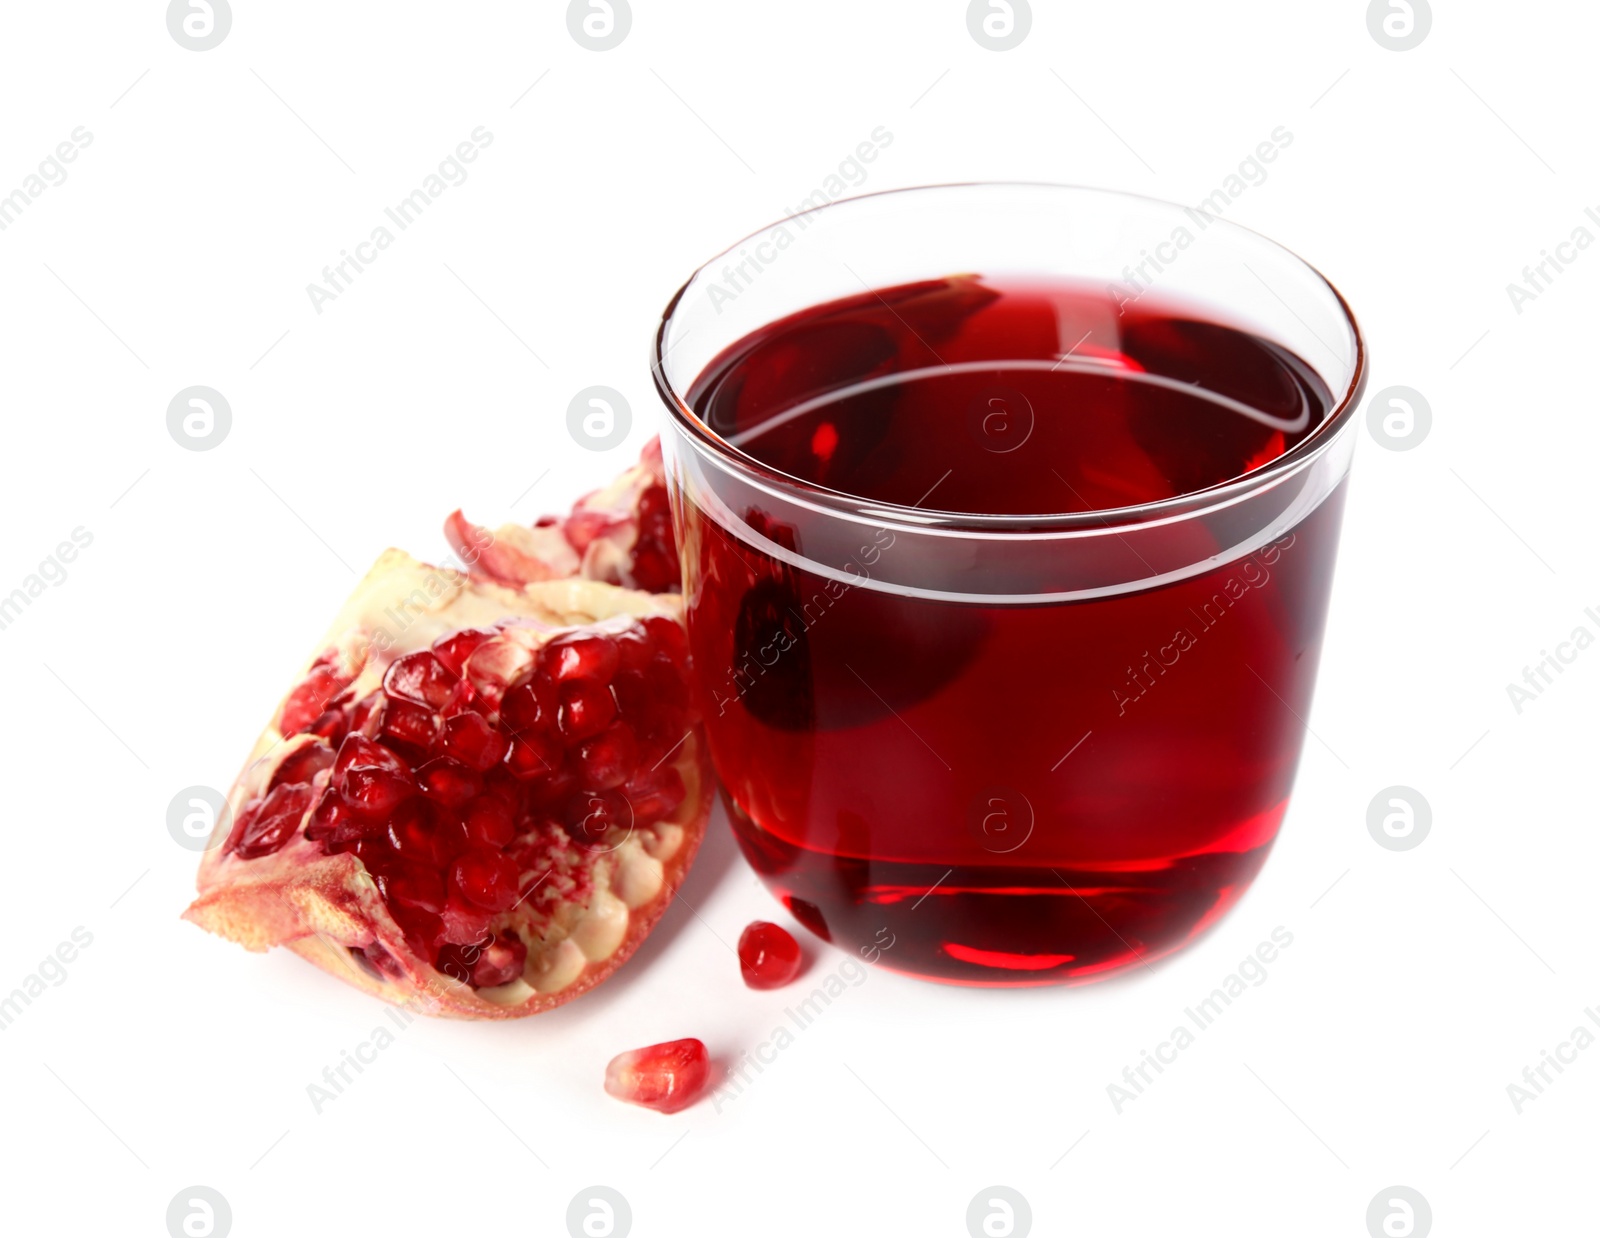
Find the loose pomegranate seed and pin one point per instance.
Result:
(581, 657)
(665, 1077)
(608, 760)
(769, 956)
(587, 708)
(421, 678)
(470, 739)
(487, 878)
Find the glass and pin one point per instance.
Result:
(1053, 736)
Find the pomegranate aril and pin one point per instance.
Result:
(421, 678)
(470, 739)
(454, 650)
(769, 956)
(359, 751)
(413, 885)
(634, 649)
(607, 760)
(531, 706)
(333, 726)
(592, 815)
(489, 821)
(405, 722)
(449, 782)
(495, 666)
(302, 765)
(587, 708)
(670, 639)
(310, 698)
(487, 878)
(501, 962)
(654, 794)
(665, 1077)
(654, 570)
(461, 922)
(271, 824)
(533, 756)
(329, 813)
(581, 657)
(374, 793)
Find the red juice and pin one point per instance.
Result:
(1009, 792)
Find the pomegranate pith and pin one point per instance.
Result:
(769, 956)
(665, 1077)
(476, 810)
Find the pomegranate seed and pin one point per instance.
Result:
(487, 878)
(311, 697)
(414, 886)
(591, 657)
(329, 813)
(501, 961)
(654, 570)
(374, 793)
(670, 638)
(489, 821)
(533, 756)
(769, 956)
(421, 678)
(454, 650)
(405, 722)
(587, 708)
(360, 752)
(271, 824)
(594, 814)
(531, 706)
(608, 760)
(654, 794)
(470, 739)
(333, 726)
(302, 765)
(449, 782)
(634, 649)
(665, 1077)
(461, 923)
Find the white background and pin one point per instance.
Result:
(177, 252)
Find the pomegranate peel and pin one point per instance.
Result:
(620, 534)
(401, 858)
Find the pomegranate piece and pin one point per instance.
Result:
(621, 535)
(665, 1077)
(769, 956)
(482, 816)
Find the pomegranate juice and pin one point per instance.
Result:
(1006, 792)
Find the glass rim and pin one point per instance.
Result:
(1161, 511)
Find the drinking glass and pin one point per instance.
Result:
(1000, 746)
